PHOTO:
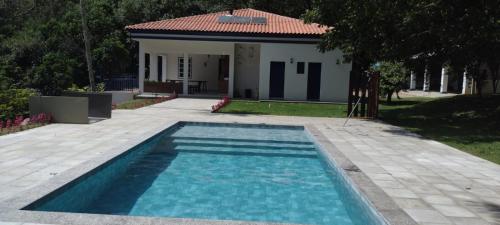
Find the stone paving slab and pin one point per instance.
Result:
(431, 182)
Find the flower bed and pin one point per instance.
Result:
(226, 100)
(139, 103)
(21, 123)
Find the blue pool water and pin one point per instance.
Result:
(219, 171)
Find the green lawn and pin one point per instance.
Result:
(284, 108)
(468, 123)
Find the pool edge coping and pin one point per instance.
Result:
(382, 203)
(11, 209)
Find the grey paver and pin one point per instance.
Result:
(431, 182)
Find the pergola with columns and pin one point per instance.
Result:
(443, 88)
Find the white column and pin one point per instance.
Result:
(185, 80)
(164, 68)
(444, 80)
(427, 79)
(142, 65)
(465, 83)
(413, 80)
(153, 67)
(231, 76)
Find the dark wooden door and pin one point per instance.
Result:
(160, 68)
(313, 81)
(223, 78)
(277, 80)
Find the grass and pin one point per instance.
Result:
(468, 123)
(286, 108)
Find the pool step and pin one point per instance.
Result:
(256, 143)
(244, 146)
(256, 151)
(261, 140)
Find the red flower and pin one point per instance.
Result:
(18, 121)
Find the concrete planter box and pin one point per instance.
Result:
(99, 104)
(62, 109)
(121, 96)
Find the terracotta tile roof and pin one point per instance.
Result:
(276, 24)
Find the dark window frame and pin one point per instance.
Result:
(301, 68)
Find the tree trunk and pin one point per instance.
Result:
(494, 66)
(86, 40)
(389, 96)
(494, 81)
(495, 85)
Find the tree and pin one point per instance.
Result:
(393, 77)
(53, 74)
(493, 62)
(86, 40)
(438, 31)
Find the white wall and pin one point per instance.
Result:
(246, 70)
(334, 73)
(334, 76)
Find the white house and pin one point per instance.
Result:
(246, 53)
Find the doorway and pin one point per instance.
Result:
(223, 77)
(313, 81)
(277, 80)
(160, 68)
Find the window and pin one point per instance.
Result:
(300, 67)
(180, 67)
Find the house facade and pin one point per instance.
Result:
(247, 54)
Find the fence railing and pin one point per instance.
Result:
(122, 83)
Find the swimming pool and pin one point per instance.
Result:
(219, 171)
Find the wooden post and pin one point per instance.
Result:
(349, 96)
(373, 87)
(363, 85)
(356, 92)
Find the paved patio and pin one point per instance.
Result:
(433, 183)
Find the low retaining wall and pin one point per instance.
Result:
(121, 96)
(163, 87)
(61, 108)
(99, 104)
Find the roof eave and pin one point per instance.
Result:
(218, 33)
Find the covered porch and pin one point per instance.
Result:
(198, 68)
(186, 67)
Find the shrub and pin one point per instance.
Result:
(53, 74)
(393, 77)
(100, 87)
(14, 102)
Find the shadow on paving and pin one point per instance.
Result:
(469, 123)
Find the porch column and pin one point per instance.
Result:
(465, 83)
(427, 79)
(185, 80)
(231, 76)
(164, 68)
(142, 66)
(413, 80)
(444, 80)
(153, 67)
